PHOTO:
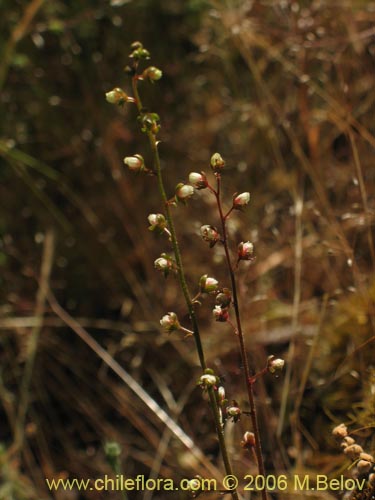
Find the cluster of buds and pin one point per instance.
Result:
(210, 234)
(217, 163)
(157, 223)
(139, 52)
(241, 200)
(170, 322)
(118, 96)
(165, 264)
(183, 192)
(248, 441)
(198, 180)
(152, 73)
(364, 462)
(245, 251)
(234, 411)
(208, 379)
(274, 365)
(208, 284)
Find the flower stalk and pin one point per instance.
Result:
(151, 130)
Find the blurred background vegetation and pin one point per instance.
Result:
(284, 90)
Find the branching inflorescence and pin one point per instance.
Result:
(171, 263)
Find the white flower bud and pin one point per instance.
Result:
(184, 192)
(207, 380)
(135, 163)
(221, 393)
(241, 200)
(275, 365)
(164, 264)
(208, 284)
(198, 181)
(248, 440)
(245, 250)
(170, 322)
(210, 234)
(157, 222)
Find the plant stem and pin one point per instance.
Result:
(249, 380)
(185, 289)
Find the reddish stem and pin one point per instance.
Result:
(249, 379)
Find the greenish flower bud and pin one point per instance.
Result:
(112, 449)
(117, 96)
(139, 52)
(152, 73)
(150, 122)
(217, 162)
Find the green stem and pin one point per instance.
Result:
(249, 380)
(185, 289)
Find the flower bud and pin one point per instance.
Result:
(183, 192)
(217, 162)
(150, 122)
(170, 322)
(164, 263)
(198, 181)
(240, 200)
(135, 163)
(157, 222)
(347, 441)
(221, 393)
(234, 412)
(364, 466)
(209, 379)
(245, 250)
(210, 234)
(220, 314)
(117, 96)
(224, 298)
(275, 365)
(353, 451)
(248, 441)
(139, 52)
(152, 73)
(371, 478)
(208, 284)
(366, 456)
(341, 431)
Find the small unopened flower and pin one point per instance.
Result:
(341, 431)
(164, 263)
(210, 234)
(152, 73)
(157, 222)
(208, 379)
(353, 451)
(183, 192)
(150, 122)
(224, 298)
(275, 365)
(234, 412)
(245, 250)
(248, 441)
(170, 322)
(221, 393)
(220, 314)
(198, 181)
(135, 163)
(208, 284)
(347, 441)
(241, 200)
(364, 466)
(118, 96)
(139, 52)
(217, 162)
